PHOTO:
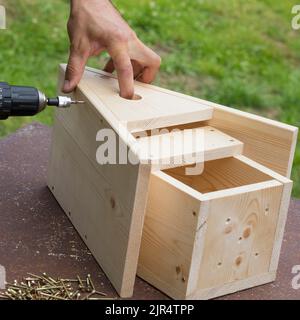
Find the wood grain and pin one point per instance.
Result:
(178, 147)
(156, 109)
(226, 243)
(268, 142)
(111, 231)
(239, 237)
(219, 175)
(168, 238)
(124, 188)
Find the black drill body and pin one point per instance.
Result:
(18, 101)
(27, 101)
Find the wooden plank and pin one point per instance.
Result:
(83, 123)
(263, 169)
(231, 287)
(239, 237)
(168, 237)
(156, 109)
(268, 142)
(178, 147)
(285, 201)
(220, 175)
(198, 248)
(109, 225)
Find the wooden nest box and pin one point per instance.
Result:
(192, 236)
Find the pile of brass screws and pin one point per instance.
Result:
(44, 287)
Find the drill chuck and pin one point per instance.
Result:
(27, 101)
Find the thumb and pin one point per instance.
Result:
(75, 69)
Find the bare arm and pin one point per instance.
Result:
(95, 26)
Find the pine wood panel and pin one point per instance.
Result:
(109, 222)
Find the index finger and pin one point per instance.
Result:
(123, 66)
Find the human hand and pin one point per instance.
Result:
(95, 26)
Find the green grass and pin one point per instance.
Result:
(242, 54)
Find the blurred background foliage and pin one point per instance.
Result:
(243, 54)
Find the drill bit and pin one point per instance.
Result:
(77, 102)
(62, 102)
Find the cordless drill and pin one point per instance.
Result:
(27, 101)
